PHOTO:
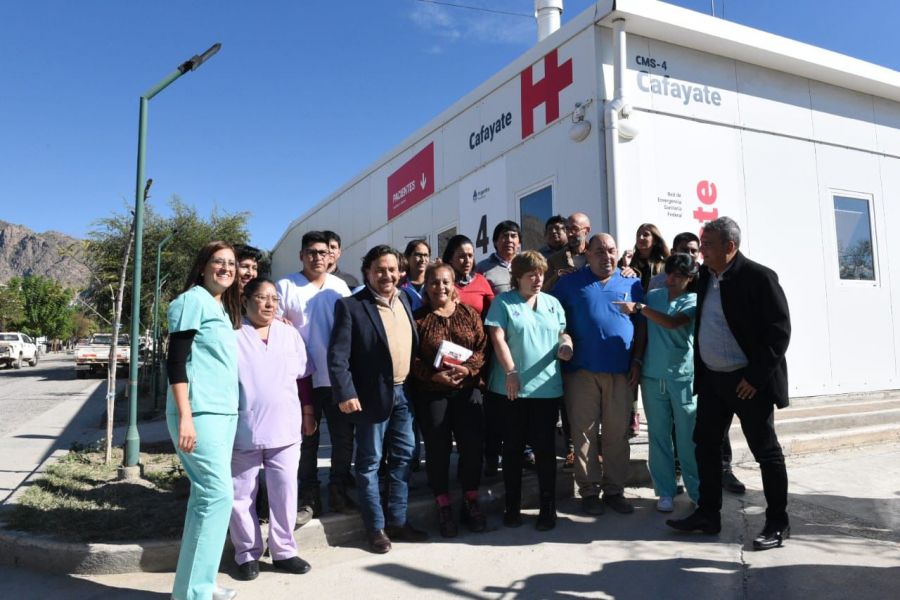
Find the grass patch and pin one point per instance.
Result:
(79, 499)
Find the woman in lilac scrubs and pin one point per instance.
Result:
(271, 360)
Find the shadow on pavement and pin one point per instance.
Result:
(45, 373)
(18, 583)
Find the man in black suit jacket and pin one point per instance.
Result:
(742, 333)
(372, 345)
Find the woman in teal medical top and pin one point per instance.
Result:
(201, 413)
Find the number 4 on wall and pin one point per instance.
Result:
(481, 239)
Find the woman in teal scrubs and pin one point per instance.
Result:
(667, 377)
(201, 413)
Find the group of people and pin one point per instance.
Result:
(489, 355)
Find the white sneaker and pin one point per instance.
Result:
(221, 593)
(665, 504)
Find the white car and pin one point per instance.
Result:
(16, 348)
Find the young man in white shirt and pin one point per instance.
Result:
(307, 300)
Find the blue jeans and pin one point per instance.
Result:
(396, 433)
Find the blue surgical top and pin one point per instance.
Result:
(670, 352)
(601, 334)
(212, 365)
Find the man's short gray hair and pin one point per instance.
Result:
(729, 230)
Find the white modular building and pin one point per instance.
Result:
(639, 111)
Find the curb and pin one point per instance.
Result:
(45, 554)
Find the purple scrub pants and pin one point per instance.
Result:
(281, 483)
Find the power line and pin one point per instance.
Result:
(478, 8)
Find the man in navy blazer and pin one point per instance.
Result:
(372, 346)
(743, 328)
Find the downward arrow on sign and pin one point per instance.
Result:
(423, 181)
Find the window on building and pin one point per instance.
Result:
(443, 237)
(534, 210)
(856, 251)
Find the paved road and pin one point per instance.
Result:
(845, 544)
(31, 391)
(43, 411)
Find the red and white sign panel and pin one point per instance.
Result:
(411, 183)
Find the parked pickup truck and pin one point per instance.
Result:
(93, 357)
(16, 348)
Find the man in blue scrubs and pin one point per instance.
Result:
(597, 386)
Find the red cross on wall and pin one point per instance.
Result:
(556, 78)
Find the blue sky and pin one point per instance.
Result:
(302, 97)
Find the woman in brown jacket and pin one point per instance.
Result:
(445, 408)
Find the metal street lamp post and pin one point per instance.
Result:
(155, 364)
(132, 439)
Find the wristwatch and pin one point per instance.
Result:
(638, 307)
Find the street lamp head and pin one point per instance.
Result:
(198, 59)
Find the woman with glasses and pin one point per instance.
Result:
(201, 412)
(418, 255)
(271, 360)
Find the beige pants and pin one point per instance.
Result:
(602, 399)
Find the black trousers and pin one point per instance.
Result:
(493, 426)
(717, 404)
(340, 430)
(531, 420)
(442, 417)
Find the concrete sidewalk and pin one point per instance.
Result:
(25, 452)
(845, 544)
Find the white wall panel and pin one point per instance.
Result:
(783, 231)
(887, 126)
(859, 313)
(773, 101)
(889, 169)
(679, 175)
(457, 158)
(841, 116)
(674, 79)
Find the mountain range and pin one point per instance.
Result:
(50, 254)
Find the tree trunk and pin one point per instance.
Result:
(111, 369)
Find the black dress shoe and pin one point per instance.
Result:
(771, 537)
(379, 542)
(294, 564)
(732, 484)
(405, 533)
(249, 570)
(697, 521)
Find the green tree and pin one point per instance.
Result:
(47, 308)
(105, 246)
(12, 304)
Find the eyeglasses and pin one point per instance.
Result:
(270, 298)
(221, 263)
(320, 253)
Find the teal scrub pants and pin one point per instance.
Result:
(667, 401)
(209, 508)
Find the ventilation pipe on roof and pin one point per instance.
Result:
(618, 126)
(547, 13)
